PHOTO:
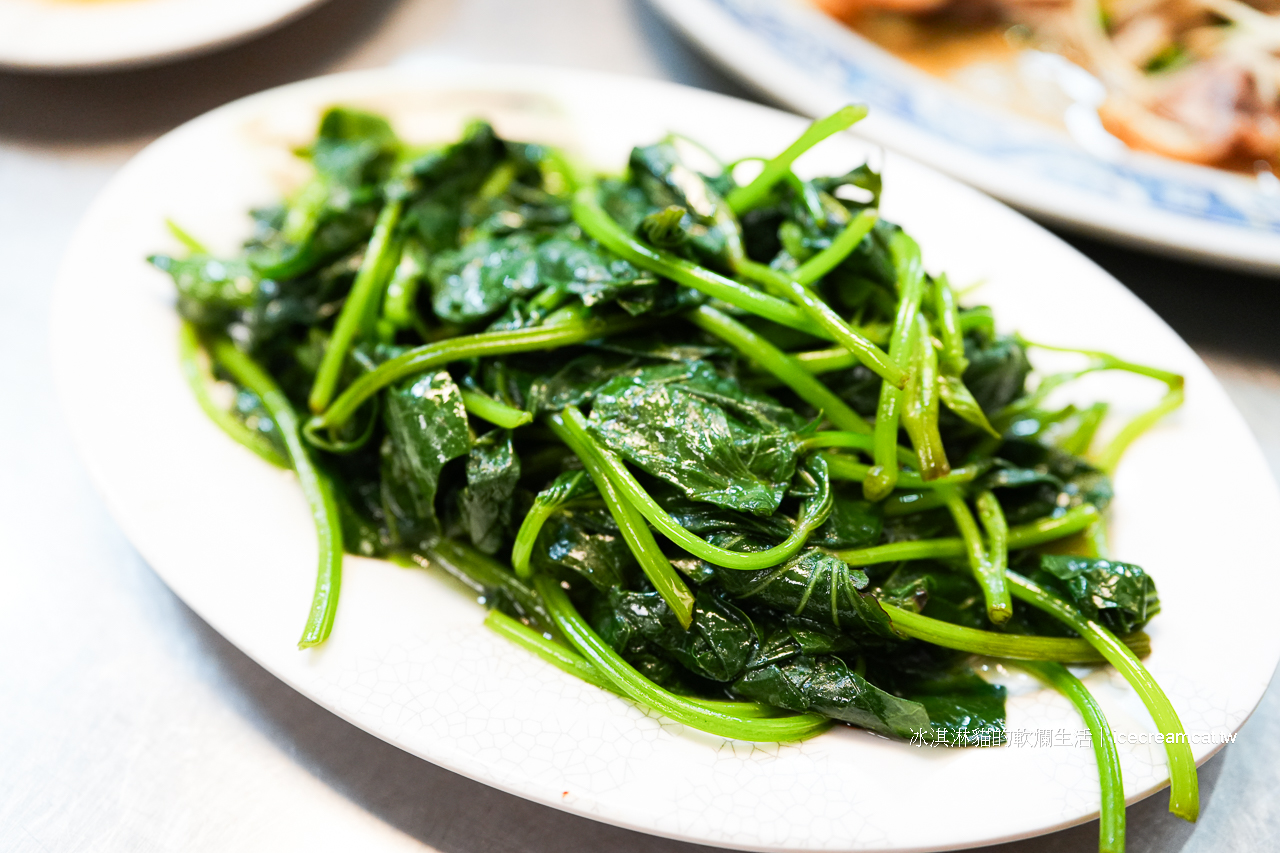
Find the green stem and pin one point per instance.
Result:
(742, 199)
(863, 441)
(1184, 797)
(630, 682)
(621, 477)
(1111, 814)
(423, 358)
(841, 247)
(600, 226)
(1107, 361)
(483, 574)
(838, 358)
(399, 308)
(905, 503)
(527, 537)
(494, 411)
(985, 571)
(1079, 441)
(846, 468)
(1023, 536)
(316, 487)
(824, 316)
(199, 379)
(366, 293)
(997, 528)
(180, 234)
(1109, 458)
(995, 644)
(780, 365)
(549, 650)
(657, 568)
(575, 664)
(944, 308)
(920, 406)
(910, 273)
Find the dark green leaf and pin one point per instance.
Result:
(702, 433)
(1119, 595)
(587, 542)
(493, 469)
(426, 427)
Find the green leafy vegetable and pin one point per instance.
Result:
(752, 465)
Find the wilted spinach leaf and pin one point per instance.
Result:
(426, 427)
(493, 469)
(716, 646)
(702, 433)
(1119, 595)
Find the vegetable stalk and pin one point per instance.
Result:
(366, 294)
(1111, 815)
(883, 477)
(742, 199)
(630, 682)
(316, 487)
(1184, 797)
(812, 513)
(657, 568)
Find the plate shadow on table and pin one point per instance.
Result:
(104, 106)
(454, 814)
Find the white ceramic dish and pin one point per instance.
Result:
(409, 659)
(811, 63)
(85, 34)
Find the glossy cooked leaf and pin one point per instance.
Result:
(997, 372)
(587, 542)
(1035, 480)
(209, 288)
(353, 148)
(853, 523)
(447, 177)
(959, 400)
(493, 469)
(667, 182)
(567, 486)
(481, 278)
(963, 708)
(588, 270)
(426, 427)
(825, 684)
(703, 434)
(816, 585)
(717, 644)
(1119, 595)
(576, 383)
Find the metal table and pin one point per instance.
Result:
(130, 725)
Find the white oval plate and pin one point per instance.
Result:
(409, 659)
(811, 63)
(84, 34)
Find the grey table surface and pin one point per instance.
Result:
(129, 724)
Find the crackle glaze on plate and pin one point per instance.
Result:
(796, 54)
(84, 34)
(409, 659)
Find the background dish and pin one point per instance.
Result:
(82, 34)
(796, 54)
(409, 660)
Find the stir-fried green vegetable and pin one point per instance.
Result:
(751, 465)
